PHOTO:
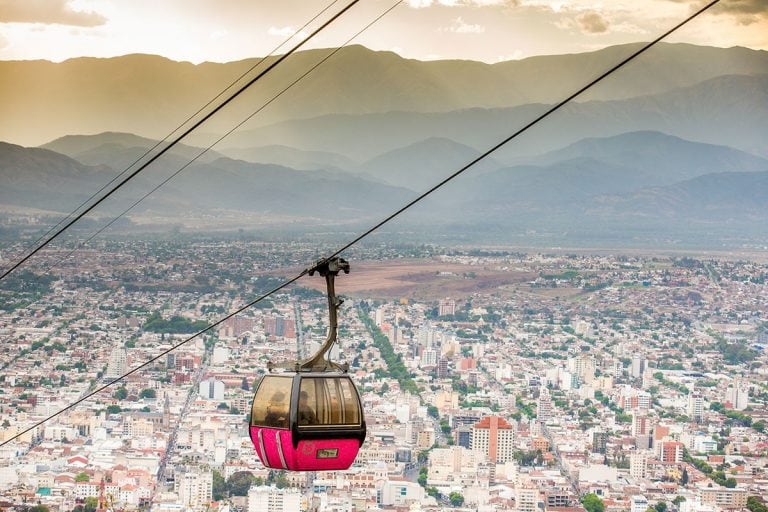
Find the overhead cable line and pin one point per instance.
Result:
(175, 130)
(304, 272)
(147, 363)
(180, 137)
(227, 134)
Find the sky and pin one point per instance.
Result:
(486, 30)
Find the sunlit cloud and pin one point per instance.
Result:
(218, 34)
(420, 4)
(459, 26)
(48, 12)
(592, 22)
(285, 32)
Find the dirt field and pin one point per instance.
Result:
(420, 279)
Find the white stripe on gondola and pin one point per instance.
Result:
(280, 450)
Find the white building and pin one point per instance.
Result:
(695, 406)
(399, 493)
(271, 499)
(194, 489)
(495, 438)
(638, 503)
(638, 464)
(212, 389)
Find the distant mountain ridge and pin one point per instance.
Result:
(727, 110)
(613, 186)
(149, 95)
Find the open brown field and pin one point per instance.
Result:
(420, 279)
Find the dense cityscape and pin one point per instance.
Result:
(491, 381)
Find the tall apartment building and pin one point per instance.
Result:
(447, 307)
(670, 451)
(526, 497)
(638, 464)
(271, 499)
(737, 396)
(544, 409)
(695, 406)
(599, 442)
(118, 363)
(194, 489)
(494, 437)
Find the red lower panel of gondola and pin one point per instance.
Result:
(275, 449)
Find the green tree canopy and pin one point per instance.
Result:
(239, 483)
(82, 477)
(593, 503)
(148, 393)
(219, 490)
(456, 499)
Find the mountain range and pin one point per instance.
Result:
(671, 148)
(615, 185)
(150, 95)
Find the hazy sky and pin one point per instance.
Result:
(488, 30)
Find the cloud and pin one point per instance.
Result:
(746, 12)
(49, 12)
(459, 26)
(285, 32)
(592, 22)
(420, 4)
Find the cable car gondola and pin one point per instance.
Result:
(309, 417)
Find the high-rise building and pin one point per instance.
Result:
(526, 497)
(638, 464)
(194, 489)
(737, 396)
(494, 437)
(638, 366)
(274, 325)
(447, 307)
(442, 368)
(271, 499)
(599, 442)
(118, 363)
(670, 451)
(583, 367)
(641, 424)
(695, 406)
(544, 408)
(211, 389)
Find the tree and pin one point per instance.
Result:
(456, 499)
(91, 503)
(113, 409)
(661, 506)
(148, 393)
(219, 486)
(685, 477)
(593, 503)
(678, 500)
(239, 483)
(121, 393)
(39, 508)
(82, 477)
(756, 504)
